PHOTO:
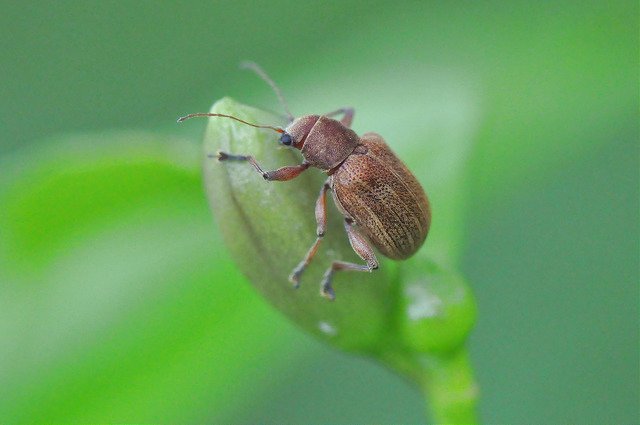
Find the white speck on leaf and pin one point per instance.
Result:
(327, 328)
(423, 304)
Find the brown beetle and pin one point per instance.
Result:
(382, 202)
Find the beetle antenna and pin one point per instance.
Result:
(203, 114)
(256, 68)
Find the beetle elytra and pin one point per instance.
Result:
(383, 204)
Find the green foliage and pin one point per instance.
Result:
(120, 303)
(76, 210)
(108, 303)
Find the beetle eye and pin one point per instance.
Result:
(285, 139)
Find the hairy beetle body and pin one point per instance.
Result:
(375, 189)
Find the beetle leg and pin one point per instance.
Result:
(348, 115)
(321, 220)
(364, 251)
(281, 174)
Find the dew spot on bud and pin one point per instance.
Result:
(424, 305)
(327, 328)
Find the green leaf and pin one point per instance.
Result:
(114, 294)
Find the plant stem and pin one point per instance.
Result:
(449, 388)
(446, 381)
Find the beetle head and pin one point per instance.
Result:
(296, 133)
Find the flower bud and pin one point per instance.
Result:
(269, 226)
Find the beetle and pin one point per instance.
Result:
(382, 202)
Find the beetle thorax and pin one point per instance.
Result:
(325, 141)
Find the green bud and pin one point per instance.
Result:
(438, 309)
(414, 316)
(269, 227)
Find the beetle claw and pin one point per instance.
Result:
(327, 291)
(294, 278)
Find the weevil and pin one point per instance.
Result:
(383, 204)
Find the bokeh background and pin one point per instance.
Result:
(118, 301)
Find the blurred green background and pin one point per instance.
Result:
(118, 302)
